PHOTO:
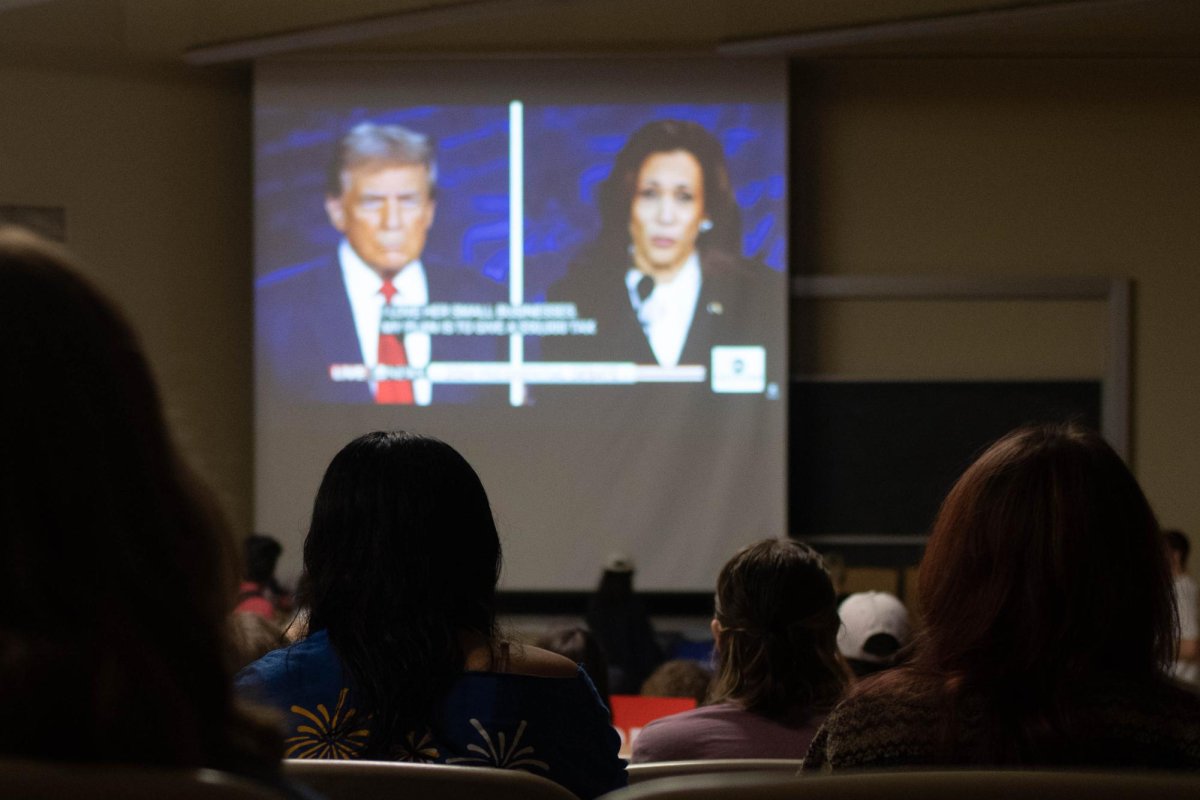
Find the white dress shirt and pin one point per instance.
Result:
(666, 313)
(362, 287)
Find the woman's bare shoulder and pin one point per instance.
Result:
(529, 660)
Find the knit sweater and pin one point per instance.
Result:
(1116, 724)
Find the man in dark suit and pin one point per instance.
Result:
(381, 195)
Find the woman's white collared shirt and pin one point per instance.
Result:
(667, 312)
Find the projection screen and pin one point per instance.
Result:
(574, 272)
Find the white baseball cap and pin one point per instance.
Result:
(866, 614)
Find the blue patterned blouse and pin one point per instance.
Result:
(553, 727)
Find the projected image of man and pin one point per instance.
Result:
(665, 279)
(385, 212)
(381, 198)
(381, 195)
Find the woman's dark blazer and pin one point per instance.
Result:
(740, 304)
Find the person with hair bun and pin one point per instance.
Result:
(1048, 627)
(778, 668)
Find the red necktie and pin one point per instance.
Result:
(391, 353)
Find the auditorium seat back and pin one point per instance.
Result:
(53, 780)
(380, 780)
(944, 785)
(639, 773)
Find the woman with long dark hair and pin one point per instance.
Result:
(403, 660)
(665, 279)
(778, 668)
(1048, 626)
(116, 571)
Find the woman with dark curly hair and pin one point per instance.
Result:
(665, 279)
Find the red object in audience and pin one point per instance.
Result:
(631, 713)
(251, 599)
(391, 353)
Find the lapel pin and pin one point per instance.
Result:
(716, 308)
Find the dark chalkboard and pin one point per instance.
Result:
(878, 457)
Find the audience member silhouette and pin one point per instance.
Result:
(679, 677)
(618, 619)
(778, 668)
(1048, 626)
(116, 571)
(260, 592)
(874, 629)
(1049, 621)
(403, 660)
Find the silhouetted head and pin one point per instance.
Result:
(679, 677)
(116, 570)
(1045, 563)
(1044, 573)
(402, 557)
(262, 554)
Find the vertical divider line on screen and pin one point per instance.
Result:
(516, 242)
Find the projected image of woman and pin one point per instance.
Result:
(664, 279)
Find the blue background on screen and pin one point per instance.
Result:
(569, 150)
(583, 141)
(293, 149)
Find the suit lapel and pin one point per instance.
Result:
(705, 324)
(336, 337)
(633, 346)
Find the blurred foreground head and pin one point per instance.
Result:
(116, 572)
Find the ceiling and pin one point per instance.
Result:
(90, 33)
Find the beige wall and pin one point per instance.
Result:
(154, 171)
(1019, 167)
(996, 167)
